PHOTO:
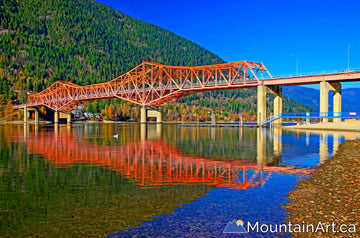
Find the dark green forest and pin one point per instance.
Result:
(85, 42)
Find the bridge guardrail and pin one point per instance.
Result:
(312, 73)
(313, 115)
(320, 115)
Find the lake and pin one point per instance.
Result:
(151, 180)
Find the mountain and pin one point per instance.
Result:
(311, 97)
(350, 99)
(307, 96)
(85, 42)
(82, 41)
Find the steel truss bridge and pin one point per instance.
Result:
(153, 84)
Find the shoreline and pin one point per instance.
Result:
(333, 126)
(331, 194)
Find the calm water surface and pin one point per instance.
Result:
(152, 180)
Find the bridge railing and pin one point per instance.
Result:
(320, 115)
(269, 119)
(17, 106)
(312, 73)
(313, 115)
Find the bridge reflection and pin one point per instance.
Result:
(151, 161)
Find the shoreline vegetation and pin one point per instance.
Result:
(330, 195)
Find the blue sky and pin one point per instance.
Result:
(317, 34)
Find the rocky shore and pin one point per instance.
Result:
(331, 195)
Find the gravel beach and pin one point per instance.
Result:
(331, 195)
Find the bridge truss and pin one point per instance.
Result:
(153, 84)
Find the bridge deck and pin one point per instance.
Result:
(154, 84)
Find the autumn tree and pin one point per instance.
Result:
(43, 111)
(137, 113)
(111, 112)
(8, 110)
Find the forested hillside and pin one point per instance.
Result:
(86, 42)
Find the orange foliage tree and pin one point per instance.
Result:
(8, 110)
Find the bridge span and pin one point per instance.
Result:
(152, 84)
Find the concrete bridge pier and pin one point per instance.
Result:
(36, 116)
(278, 98)
(155, 113)
(337, 100)
(19, 114)
(213, 119)
(144, 114)
(25, 114)
(58, 115)
(262, 91)
(67, 116)
(325, 87)
(261, 103)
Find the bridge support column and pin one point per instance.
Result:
(56, 117)
(143, 115)
(324, 99)
(67, 116)
(336, 89)
(25, 114)
(262, 91)
(261, 103)
(156, 114)
(325, 87)
(213, 119)
(278, 97)
(159, 117)
(36, 116)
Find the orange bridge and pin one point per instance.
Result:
(152, 84)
